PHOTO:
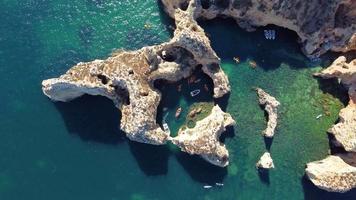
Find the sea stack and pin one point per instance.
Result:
(203, 139)
(270, 105)
(265, 162)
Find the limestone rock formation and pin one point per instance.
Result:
(320, 25)
(265, 161)
(270, 105)
(203, 139)
(337, 173)
(127, 77)
(333, 173)
(345, 130)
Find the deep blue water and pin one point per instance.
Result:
(76, 151)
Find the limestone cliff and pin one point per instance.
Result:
(203, 139)
(320, 25)
(337, 173)
(345, 130)
(333, 173)
(127, 77)
(270, 105)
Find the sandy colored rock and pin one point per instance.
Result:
(332, 174)
(127, 77)
(320, 25)
(265, 161)
(337, 173)
(203, 139)
(345, 130)
(270, 105)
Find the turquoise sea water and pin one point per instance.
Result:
(76, 151)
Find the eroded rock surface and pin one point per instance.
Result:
(345, 130)
(337, 173)
(203, 139)
(320, 25)
(265, 161)
(270, 105)
(127, 77)
(333, 173)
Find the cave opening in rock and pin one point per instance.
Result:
(123, 93)
(104, 79)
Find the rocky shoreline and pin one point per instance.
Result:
(127, 77)
(337, 173)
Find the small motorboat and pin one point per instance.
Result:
(319, 116)
(219, 184)
(252, 64)
(207, 186)
(197, 81)
(236, 59)
(194, 93)
(166, 128)
(178, 112)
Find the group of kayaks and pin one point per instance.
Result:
(270, 34)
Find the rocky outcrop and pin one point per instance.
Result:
(320, 25)
(345, 130)
(127, 77)
(270, 105)
(337, 173)
(265, 162)
(203, 139)
(333, 173)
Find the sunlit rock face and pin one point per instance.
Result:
(333, 173)
(127, 77)
(203, 139)
(265, 162)
(345, 130)
(320, 25)
(270, 105)
(337, 173)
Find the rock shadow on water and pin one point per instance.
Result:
(268, 142)
(92, 118)
(263, 174)
(332, 87)
(200, 170)
(233, 41)
(152, 159)
(311, 192)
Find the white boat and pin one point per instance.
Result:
(207, 186)
(266, 32)
(219, 184)
(273, 34)
(318, 117)
(194, 93)
(166, 128)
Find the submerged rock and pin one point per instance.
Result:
(127, 77)
(265, 161)
(332, 174)
(203, 139)
(270, 105)
(320, 25)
